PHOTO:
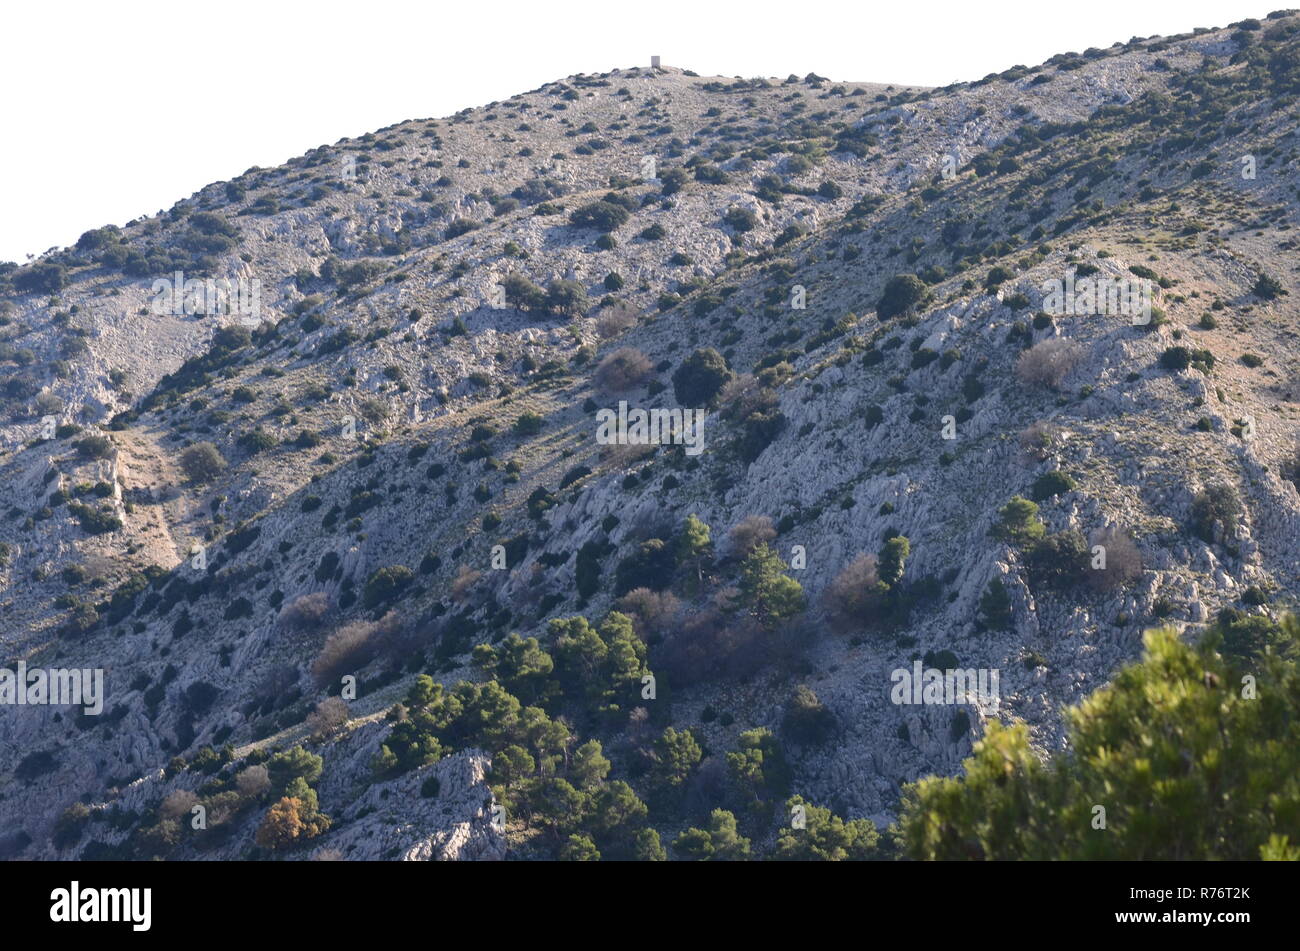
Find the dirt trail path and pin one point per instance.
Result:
(149, 477)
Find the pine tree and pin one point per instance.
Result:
(825, 837)
(1187, 754)
(720, 842)
(695, 545)
(579, 848)
(676, 756)
(893, 560)
(589, 766)
(995, 607)
(766, 591)
(1018, 522)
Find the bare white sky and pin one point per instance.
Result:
(116, 110)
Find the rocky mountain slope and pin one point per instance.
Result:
(397, 457)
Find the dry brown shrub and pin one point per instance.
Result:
(288, 821)
(623, 369)
(615, 321)
(654, 612)
(281, 826)
(223, 807)
(640, 731)
(178, 804)
(464, 582)
(749, 533)
(309, 612)
(852, 599)
(1123, 560)
(708, 788)
(352, 646)
(330, 716)
(744, 396)
(278, 680)
(711, 644)
(373, 410)
(617, 457)
(252, 781)
(1048, 362)
(1038, 439)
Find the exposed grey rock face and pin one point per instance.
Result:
(368, 391)
(396, 820)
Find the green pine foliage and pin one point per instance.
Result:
(1190, 753)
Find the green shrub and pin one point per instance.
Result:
(1176, 358)
(1051, 484)
(73, 821)
(994, 607)
(36, 764)
(1018, 522)
(1180, 358)
(825, 837)
(807, 721)
(529, 424)
(522, 293)
(601, 215)
(566, 297)
(458, 227)
(1267, 287)
(740, 220)
(903, 293)
(202, 462)
(893, 560)
(720, 842)
(94, 447)
(651, 566)
(385, 583)
(588, 568)
(40, 277)
(95, 521)
(996, 276)
(1245, 637)
(256, 440)
(1214, 504)
(700, 378)
(673, 180)
(767, 593)
(1060, 560)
